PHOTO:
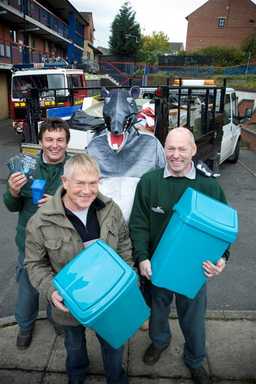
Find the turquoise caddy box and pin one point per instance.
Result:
(101, 291)
(200, 229)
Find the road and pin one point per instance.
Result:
(234, 290)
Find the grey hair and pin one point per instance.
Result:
(81, 161)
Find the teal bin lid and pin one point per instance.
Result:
(208, 215)
(92, 279)
(38, 184)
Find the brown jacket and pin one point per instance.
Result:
(52, 241)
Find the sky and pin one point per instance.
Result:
(167, 16)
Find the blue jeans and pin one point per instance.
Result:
(77, 361)
(191, 316)
(27, 301)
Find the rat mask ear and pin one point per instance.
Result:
(104, 92)
(134, 91)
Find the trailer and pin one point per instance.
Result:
(209, 111)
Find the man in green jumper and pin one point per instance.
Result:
(54, 136)
(156, 194)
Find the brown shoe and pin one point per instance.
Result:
(24, 339)
(152, 354)
(200, 375)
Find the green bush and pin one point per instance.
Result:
(222, 56)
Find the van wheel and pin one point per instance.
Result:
(235, 156)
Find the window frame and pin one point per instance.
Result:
(221, 22)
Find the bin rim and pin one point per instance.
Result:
(97, 309)
(127, 277)
(198, 220)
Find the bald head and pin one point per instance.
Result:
(181, 132)
(179, 149)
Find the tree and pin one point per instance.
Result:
(152, 46)
(249, 46)
(125, 38)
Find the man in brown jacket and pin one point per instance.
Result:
(76, 215)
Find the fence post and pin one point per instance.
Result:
(33, 115)
(162, 113)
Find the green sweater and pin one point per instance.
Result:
(24, 205)
(148, 223)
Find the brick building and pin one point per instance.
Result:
(221, 23)
(32, 31)
(91, 53)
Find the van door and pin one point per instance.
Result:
(231, 130)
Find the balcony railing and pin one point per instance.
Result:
(41, 14)
(46, 18)
(13, 53)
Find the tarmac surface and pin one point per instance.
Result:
(231, 348)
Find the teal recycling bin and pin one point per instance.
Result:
(200, 229)
(38, 189)
(101, 291)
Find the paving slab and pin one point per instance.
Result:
(20, 377)
(34, 358)
(58, 357)
(170, 363)
(233, 381)
(53, 378)
(231, 349)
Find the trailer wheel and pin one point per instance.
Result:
(235, 156)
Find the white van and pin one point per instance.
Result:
(48, 78)
(231, 135)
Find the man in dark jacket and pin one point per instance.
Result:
(157, 192)
(54, 136)
(76, 215)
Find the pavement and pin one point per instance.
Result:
(231, 349)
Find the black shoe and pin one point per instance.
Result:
(152, 354)
(24, 339)
(199, 375)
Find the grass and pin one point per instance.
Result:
(241, 82)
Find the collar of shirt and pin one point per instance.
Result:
(191, 174)
(44, 159)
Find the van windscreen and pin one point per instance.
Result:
(39, 81)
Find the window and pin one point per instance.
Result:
(7, 51)
(221, 22)
(51, 81)
(75, 81)
(234, 105)
(13, 35)
(227, 109)
(2, 50)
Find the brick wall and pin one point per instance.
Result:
(5, 33)
(244, 105)
(4, 110)
(249, 138)
(240, 22)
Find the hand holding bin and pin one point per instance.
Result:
(38, 189)
(101, 291)
(200, 229)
